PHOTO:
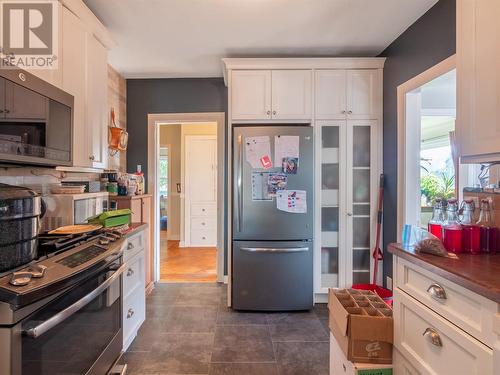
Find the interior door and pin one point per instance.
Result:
(251, 94)
(330, 94)
(291, 94)
(362, 94)
(256, 217)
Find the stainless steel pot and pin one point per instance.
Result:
(20, 213)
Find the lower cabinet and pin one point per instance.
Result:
(134, 295)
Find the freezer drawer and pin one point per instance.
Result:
(272, 276)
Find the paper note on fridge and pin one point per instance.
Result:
(293, 201)
(285, 146)
(257, 148)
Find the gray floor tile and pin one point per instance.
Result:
(149, 331)
(198, 296)
(291, 317)
(321, 310)
(302, 358)
(179, 354)
(157, 311)
(243, 369)
(134, 362)
(307, 330)
(191, 319)
(229, 316)
(251, 343)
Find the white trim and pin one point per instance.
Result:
(437, 70)
(156, 119)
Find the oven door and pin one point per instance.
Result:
(78, 333)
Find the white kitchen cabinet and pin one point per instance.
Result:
(291, 94)
(345, 196)
(363, 94)
(330, 94)
(251, 95)
(74, 47)
(96, 94)
(478, 80)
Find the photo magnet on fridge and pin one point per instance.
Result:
(266, 162)
(290, 165)
(275, 183)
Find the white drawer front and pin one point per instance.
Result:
(201, 223)
(203, 209)
(134, 313)
(459, 353)
(401, 365)
(134, 245)
(133, 277)
(470, 311)
(203, 238)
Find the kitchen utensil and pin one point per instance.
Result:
(76, 229)
(118, 138)
(20, 213)
(112, 218)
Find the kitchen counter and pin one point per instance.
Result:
(478, 273)
(136, 227)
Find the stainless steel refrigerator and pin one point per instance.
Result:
(273, 218)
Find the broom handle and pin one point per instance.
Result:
(376, 251)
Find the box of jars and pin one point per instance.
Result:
(362, 325)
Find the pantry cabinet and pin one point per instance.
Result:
(271, 95)
(478, 80)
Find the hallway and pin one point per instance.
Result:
(189, 330)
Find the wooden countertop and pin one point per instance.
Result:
(118, 197)
(478, 273)
(136, 227)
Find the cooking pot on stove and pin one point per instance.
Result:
(20, 212)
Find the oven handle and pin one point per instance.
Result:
(60, 317)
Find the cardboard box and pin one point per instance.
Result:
(362, 324)
(340, 365)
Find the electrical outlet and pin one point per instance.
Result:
(388, 283)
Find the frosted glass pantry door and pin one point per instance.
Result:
(361, 173)
(331, 202)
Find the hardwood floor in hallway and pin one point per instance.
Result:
(187, 264)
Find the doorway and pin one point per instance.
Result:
(188, 195)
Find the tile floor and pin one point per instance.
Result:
(189, 330)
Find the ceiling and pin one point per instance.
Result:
(188, 38)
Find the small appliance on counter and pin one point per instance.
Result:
(20, 212)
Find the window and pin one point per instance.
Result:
(163, 172)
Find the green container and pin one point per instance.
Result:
(112, 218)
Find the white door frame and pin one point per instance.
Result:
(430, 74)
(154, 122)
(187, 197)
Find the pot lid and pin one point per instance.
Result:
(8, 192)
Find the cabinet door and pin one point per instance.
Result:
(361, 173)
(478, 79)
(291, 94)
(22, 103)
(330, 200)
(97, 85)
(251, 94)
(330, 94)
(136, 208)
(363, 94)
(74, 48)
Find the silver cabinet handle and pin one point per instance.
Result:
(434, 336)
(92, 157)
(344, 112)
(72, 309)
(203, 223)
(202, 210)
(275, 249)
(203, 238)
(7, 110)
(130, 246)
(349, 112)
(1, 110)
(130, 313)
(130, 272)
(274, 112)
(349, 214)
(239, 185)
(437, 291)
(268, 113)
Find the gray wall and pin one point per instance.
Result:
(185, 95)
(431, 39)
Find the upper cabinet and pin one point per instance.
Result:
(347, 94)
(271, 94)
(251, 94)
(478, 80)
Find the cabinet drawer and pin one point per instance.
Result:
(203, 209)
(455, 353)
(133, 277)
(201, 223)
(401, 366)
(203, 238)
(134, 245)
(134, 313)
(470, 311)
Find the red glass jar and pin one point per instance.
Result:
(452, 229)
(435, 225)
(471, 235)
(489, 233)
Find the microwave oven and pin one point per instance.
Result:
(36, 121)
(69, 209)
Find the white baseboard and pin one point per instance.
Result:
(182, 244)
(320, 298)
(176, 237)
(226, 279)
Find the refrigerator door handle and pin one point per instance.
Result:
(275, 249)
(239, 183)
